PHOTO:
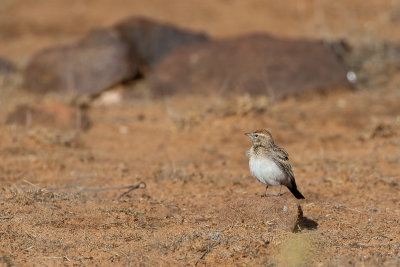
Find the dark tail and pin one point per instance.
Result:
(296, 192)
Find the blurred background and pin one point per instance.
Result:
(96, 95)
(27, 26)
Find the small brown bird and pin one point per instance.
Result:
(269, 163)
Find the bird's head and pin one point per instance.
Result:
(261, 138)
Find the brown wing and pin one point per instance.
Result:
(281, 157)
(281, 153)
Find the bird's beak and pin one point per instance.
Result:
(248, 134)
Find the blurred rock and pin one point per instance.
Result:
(109, 98)
(7, 67)
(53, 115)
(255, 64)
(372, 65)
(10, 76)
(99, 61)
(151, 41)
(282, 212)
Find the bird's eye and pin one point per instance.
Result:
(256, 135)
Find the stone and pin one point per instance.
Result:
(274, 212)
(151, 41)
(10, 76)
(97, 62)
(256, 64)
(7, 67)
(48, 114)
(372, 65)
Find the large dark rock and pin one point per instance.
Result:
(10, 77)
(256, 64)
(99, 61)
(6, 66)
(151, 41)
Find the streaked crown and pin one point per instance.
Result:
(261, 137)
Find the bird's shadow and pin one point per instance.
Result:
(304, 222)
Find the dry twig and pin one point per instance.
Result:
(203, 255)
(129, 187)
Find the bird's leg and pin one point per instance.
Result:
(265, 194)
(280, 189)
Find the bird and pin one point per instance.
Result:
(269, 163)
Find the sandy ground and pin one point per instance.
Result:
(190, 152)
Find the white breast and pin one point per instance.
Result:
(266, 171)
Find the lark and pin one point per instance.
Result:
(269, 163)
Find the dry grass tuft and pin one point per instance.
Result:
(296, 251)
